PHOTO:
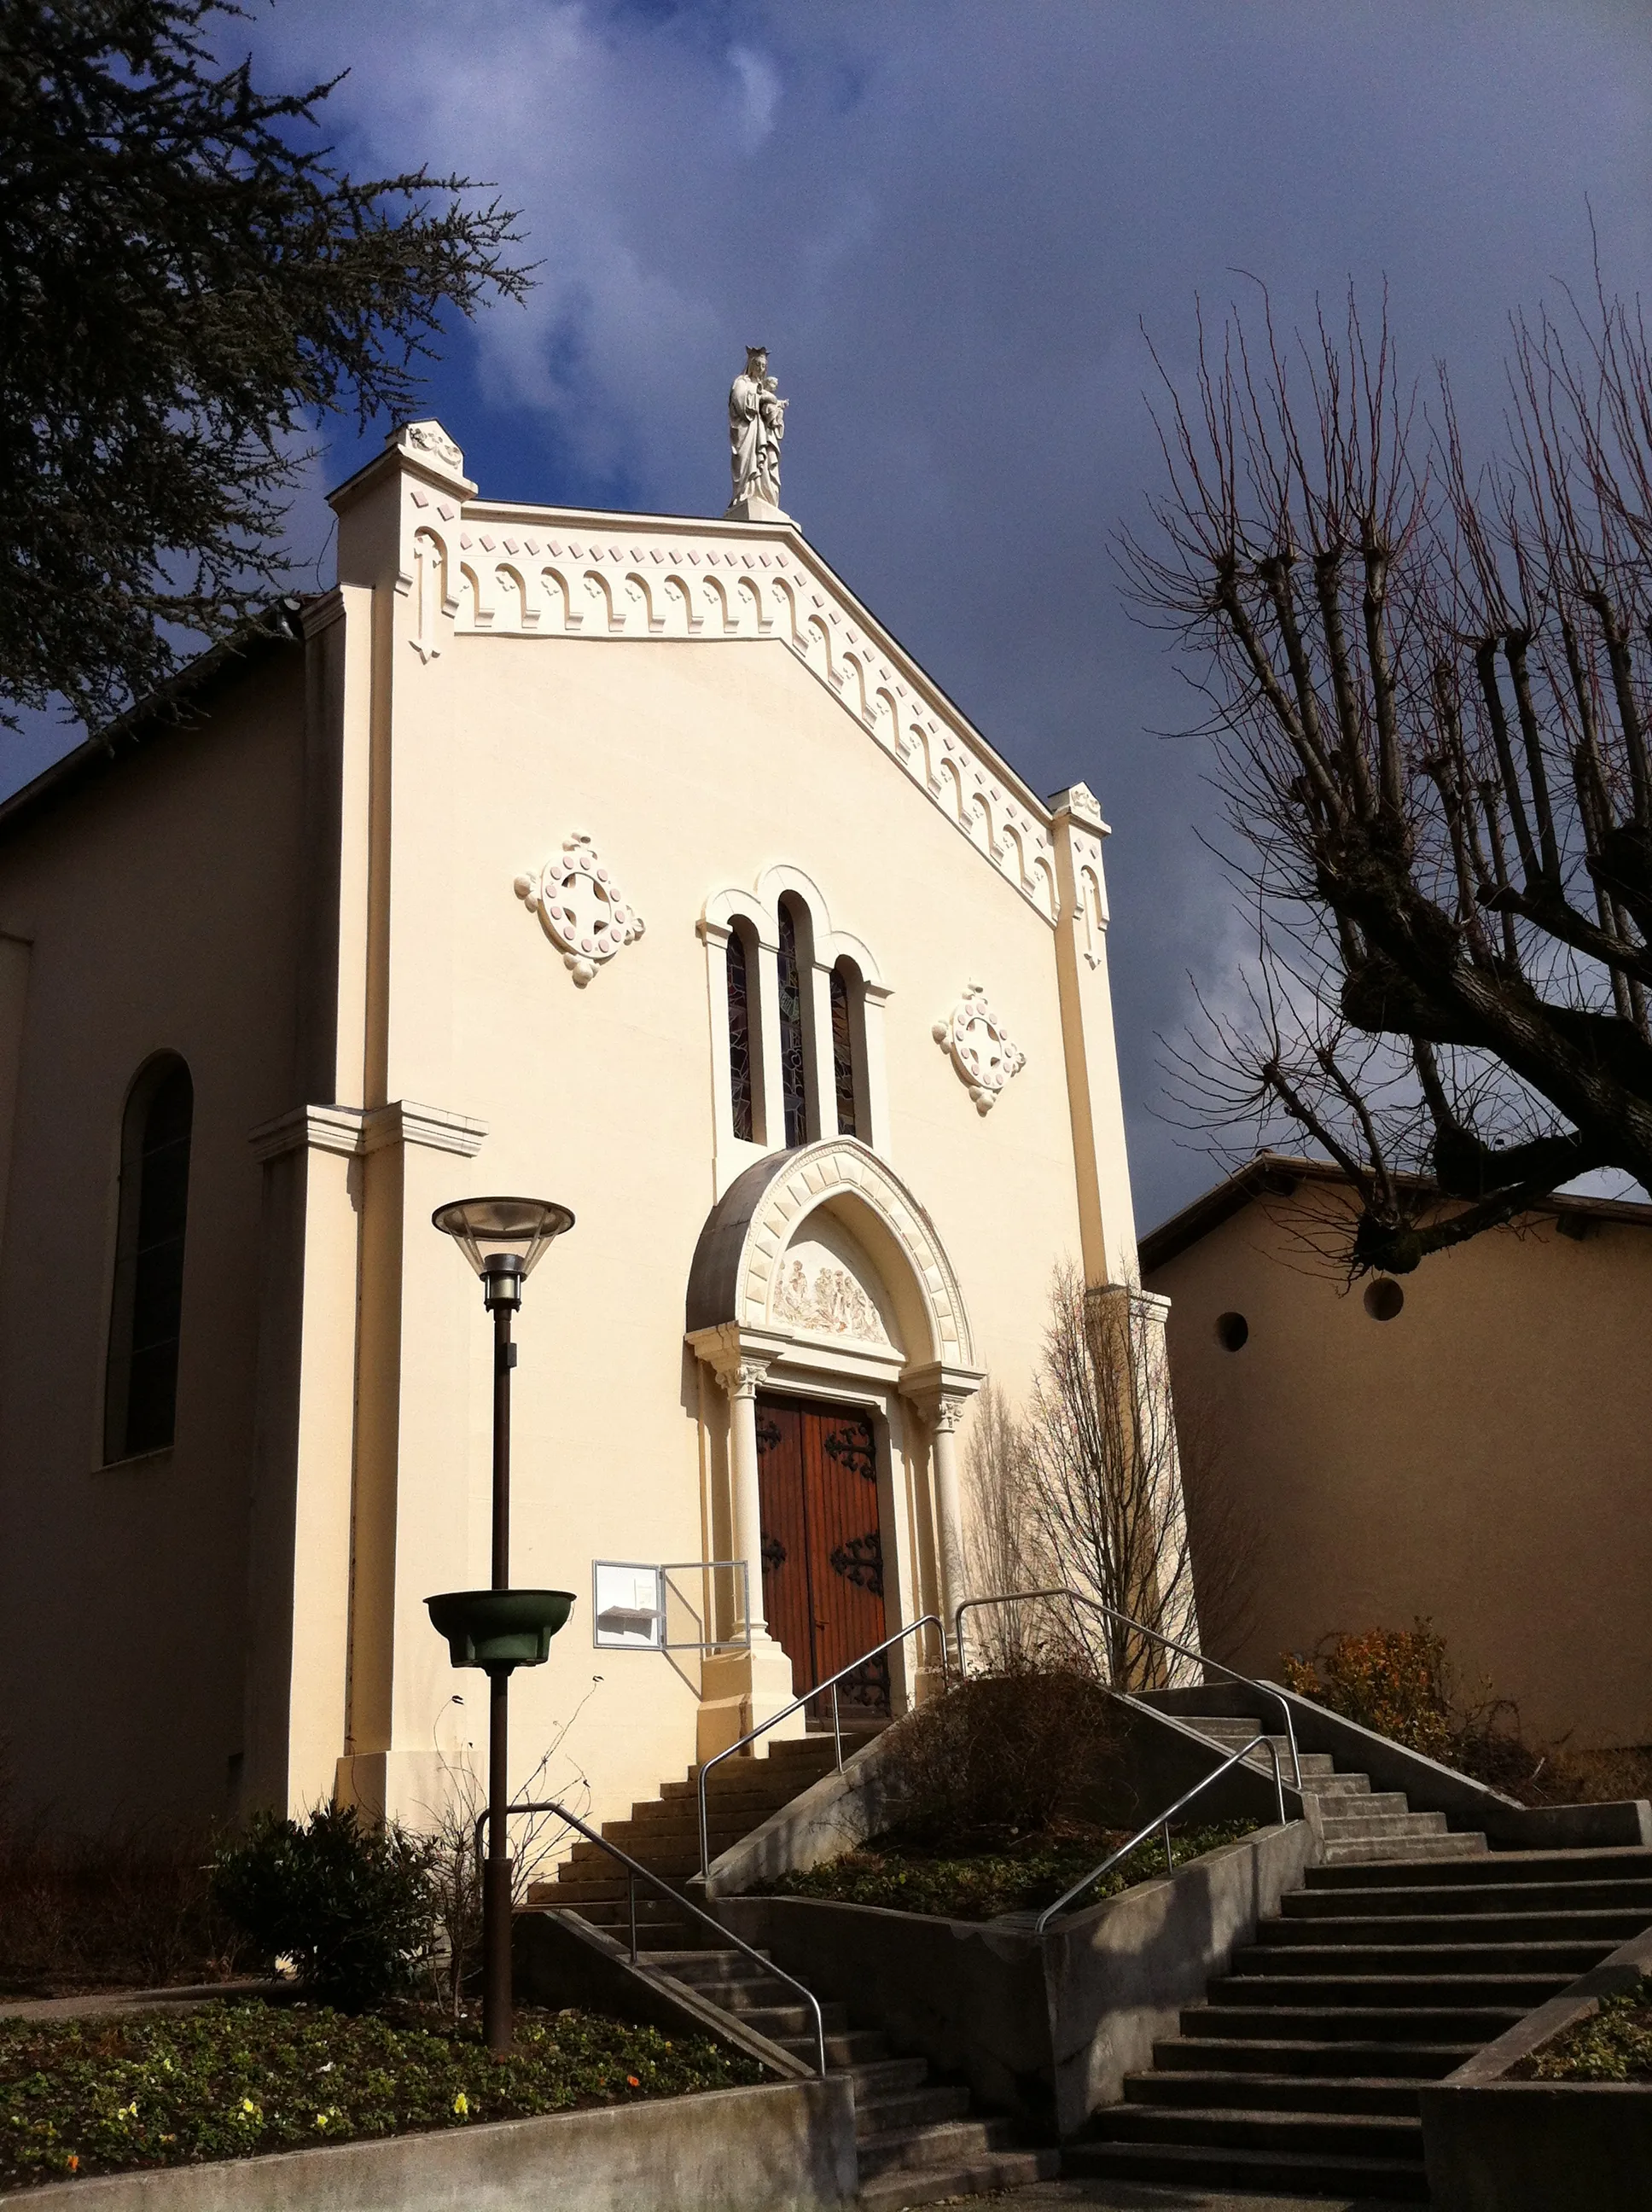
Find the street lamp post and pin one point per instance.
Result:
(500, 1629)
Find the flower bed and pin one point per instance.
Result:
(230, 2081)
(1021, 1875)
(1614, 2044)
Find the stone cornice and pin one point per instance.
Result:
(351, 1133)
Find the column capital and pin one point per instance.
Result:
(738, 1358)
(940, 1392)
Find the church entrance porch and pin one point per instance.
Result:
(822, 1549)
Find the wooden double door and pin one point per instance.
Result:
(822, 1548)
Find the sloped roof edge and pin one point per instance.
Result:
(275, 628)
(1279, 1173)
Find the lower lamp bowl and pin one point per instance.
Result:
(500, 1629)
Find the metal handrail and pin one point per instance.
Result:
(923, 1620)
(1078, 1597)
(1160, 1824)
(633, 1869)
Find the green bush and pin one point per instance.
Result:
(1022, 1877)
(353, 1907)
(1614, 2044)
(237, 2081)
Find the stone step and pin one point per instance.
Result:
(614, 1920)
(667, 1856)
(597, 1890)
(1376, 1816)
(1461, 1926)
(786, 2023)
(1523, 1991)
(1476, 2024)
(1368, 1891)
(745, 2000)
(1359, 2135)
(1298, 2172)
(1626, 1863)
(1291, 2092)
(926, 2105)
(993, 2171)
(885, 2077)
(1385, 1850)
(1567, 1959)
(950, 2143)
(857, 2047)
(706, 1970)
(1364, 2059)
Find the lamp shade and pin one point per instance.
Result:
(482, 1227)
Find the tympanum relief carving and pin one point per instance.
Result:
(832, 1302)
(980, 1048)
(580, 908)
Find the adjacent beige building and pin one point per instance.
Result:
(1471, 1443)
(619, 860)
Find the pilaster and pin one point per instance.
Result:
(1107, 1231)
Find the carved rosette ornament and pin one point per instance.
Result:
(580, 908)
(980, 1048)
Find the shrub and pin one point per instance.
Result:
(1400, 1682)
(128, 1909)
(1395, 1681)
(353, 1907)
(1027, 1751)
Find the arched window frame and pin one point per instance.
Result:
(743, 962)
(848, 1007)
(801, 1090)
(820, 949)
(146, 1301)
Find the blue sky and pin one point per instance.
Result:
(949, 220)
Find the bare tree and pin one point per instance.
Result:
(1428, 685)
(1005, 1547)
(1104, 1475)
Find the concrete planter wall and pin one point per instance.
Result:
(790, 2149)
(1497, 2145)
(1045, 2027)
(1158, 1760)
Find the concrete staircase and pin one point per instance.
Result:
(919, 2140)
(1358, 1824)
(1300, 2071)
(663, 1834)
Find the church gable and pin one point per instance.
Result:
(475, 569)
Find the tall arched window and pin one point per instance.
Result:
(739, 1036)
(794, 1093)
(140, 1396)
(843, 1012)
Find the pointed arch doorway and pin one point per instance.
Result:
(823, 1546)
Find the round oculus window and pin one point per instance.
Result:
(1232, 1332)
(1383, 1299)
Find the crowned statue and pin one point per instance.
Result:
(756, 423)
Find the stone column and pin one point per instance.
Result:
(949, 1516)
(740, 1689)
(741, 1381)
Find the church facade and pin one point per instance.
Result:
(617, 860)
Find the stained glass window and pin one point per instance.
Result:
(843, 1054)
(739, 1036)
(793, 1093)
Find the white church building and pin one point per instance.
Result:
(619, 859)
